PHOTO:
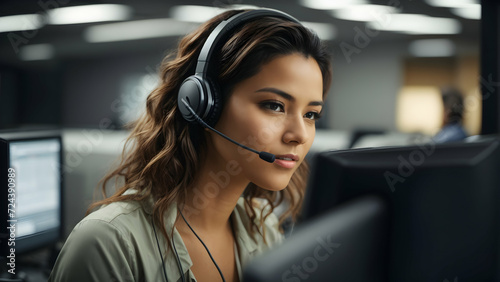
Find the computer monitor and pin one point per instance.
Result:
(443, 200)
(347, 244)
(31, 191)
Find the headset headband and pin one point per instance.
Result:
(224, 28)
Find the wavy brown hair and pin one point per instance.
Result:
(163, 153)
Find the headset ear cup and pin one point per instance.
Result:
(193, 92)
(216, 107)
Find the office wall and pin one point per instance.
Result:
(363, 93)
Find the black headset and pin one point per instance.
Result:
(200, 90)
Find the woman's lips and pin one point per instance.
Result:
(286, 161)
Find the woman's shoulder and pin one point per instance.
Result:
(116, 212)
(127, 219)
(105, 237)
(112, 221)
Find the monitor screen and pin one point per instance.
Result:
(34, 163)
(37, 165)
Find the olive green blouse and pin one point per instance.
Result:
(117, 243)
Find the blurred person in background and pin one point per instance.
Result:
(453, 105)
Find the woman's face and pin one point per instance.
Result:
(273, 111)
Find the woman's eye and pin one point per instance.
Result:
(312, 115)
(273, 106)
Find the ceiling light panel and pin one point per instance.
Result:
(134, 30)
(471, 12)
(432, 48)
(200, 14)
(323, 30)
(416, 24)
(364, 13)
(330, 4)
(21, 22)
(36, 52)
(194, 13)
(451, 3)
(89, 14)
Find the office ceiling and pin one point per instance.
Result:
(70, 44)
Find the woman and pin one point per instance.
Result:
(192, 205)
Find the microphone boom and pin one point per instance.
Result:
(266, 156)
